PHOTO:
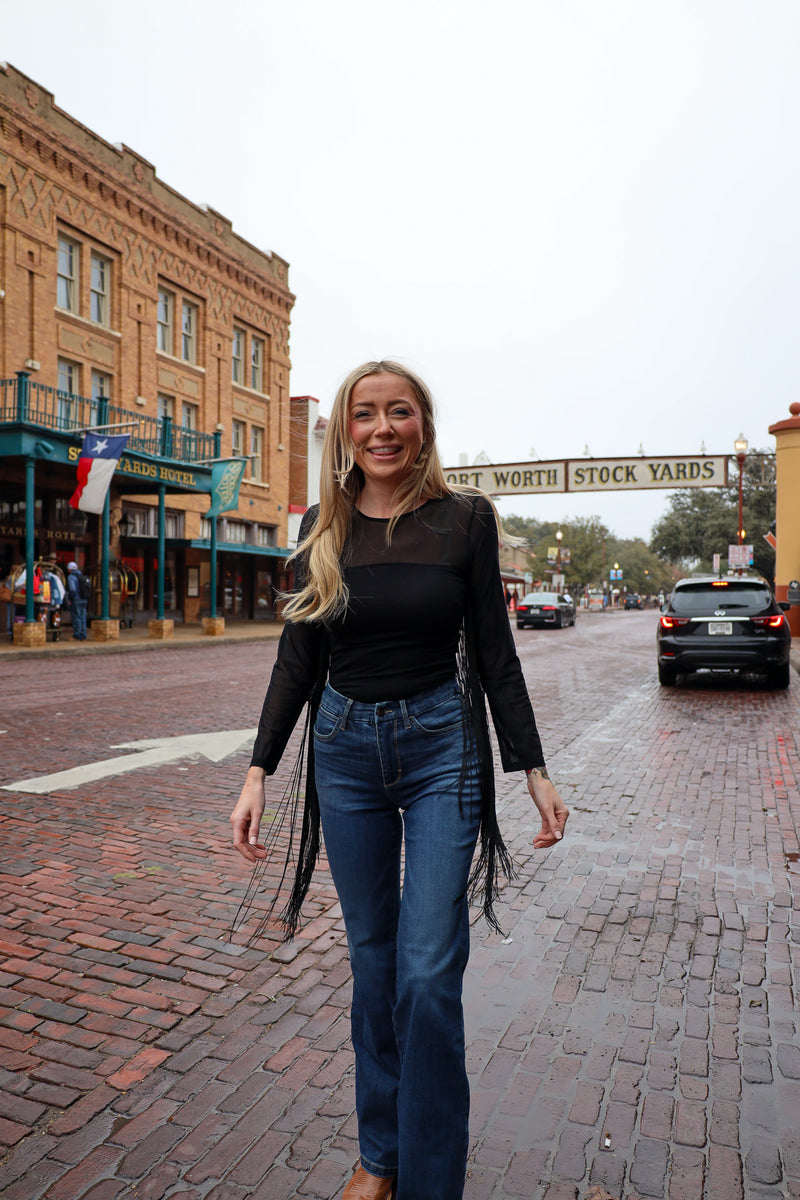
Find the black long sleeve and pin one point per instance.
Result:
(498, 664)
(400, 634)
(293, 677)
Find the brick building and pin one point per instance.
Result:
(122, 300)
(307, 435)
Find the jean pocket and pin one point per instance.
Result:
(442, 718)
(327, 724)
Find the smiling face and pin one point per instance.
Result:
(386, 428)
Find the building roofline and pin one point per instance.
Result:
(34, 105)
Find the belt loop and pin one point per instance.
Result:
(346, 712)
(404, 711)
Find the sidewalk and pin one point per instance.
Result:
(138, 638)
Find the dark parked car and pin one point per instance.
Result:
(730, 624)
(544, 609)
(633, 601)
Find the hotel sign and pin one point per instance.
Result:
(155, 471)
(594, 475)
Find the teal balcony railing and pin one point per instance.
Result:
(29, 403)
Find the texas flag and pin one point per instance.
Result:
(97, 463)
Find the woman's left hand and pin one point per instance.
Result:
(552, 808)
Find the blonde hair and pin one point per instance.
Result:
(325, 592)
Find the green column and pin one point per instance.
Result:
(23, 394)
(213, 596)
(102, 421)
(104, 538)
(29, 519)
(161, 553)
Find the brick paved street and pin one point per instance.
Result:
(634, 1036)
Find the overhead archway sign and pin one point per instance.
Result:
(594, 474)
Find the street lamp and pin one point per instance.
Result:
(740, 446)
(559, 536)
(126, 525)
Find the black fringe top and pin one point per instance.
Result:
(456, 535)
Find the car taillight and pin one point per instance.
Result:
(774, 622)
(671, 622)
(548, 608)
(522, 608)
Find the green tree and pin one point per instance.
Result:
(642, 570)
(584, 538)
(593, 549)
(702, 522)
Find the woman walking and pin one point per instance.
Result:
(396, 632)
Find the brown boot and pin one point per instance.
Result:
(364, 1186)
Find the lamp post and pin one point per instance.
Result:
(740, 446)
(559, 536)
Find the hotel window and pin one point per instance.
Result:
(68, 384)
(236, 531)
(99, 296)
(237, 437)
(267, 535)
(101, 386)
(165, 407)
(257, 364)
(237, 360)
(101, 390)
(188, 332)
(144, 521)
(189, 415)
(257, 452)
(166, 308)
(67, 294)
(173, 524)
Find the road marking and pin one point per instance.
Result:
(149, 753)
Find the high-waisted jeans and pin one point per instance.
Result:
(388, 774)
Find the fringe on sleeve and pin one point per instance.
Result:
(493, 857)
(283, 827)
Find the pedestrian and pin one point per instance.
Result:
(77, 602)
(396, 629)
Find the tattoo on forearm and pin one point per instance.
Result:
(540, 771)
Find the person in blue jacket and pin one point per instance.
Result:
(77, 605)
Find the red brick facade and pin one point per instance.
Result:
(116, 285)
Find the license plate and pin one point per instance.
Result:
(720, 627)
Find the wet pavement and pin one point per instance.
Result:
(634, 1035)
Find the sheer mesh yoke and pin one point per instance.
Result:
(406, 604)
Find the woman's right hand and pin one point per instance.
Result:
(246, 816)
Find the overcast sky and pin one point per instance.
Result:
(577, 220)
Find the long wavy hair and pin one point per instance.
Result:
(324, 594)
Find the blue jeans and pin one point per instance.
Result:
(388, 774)
(78, 609)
